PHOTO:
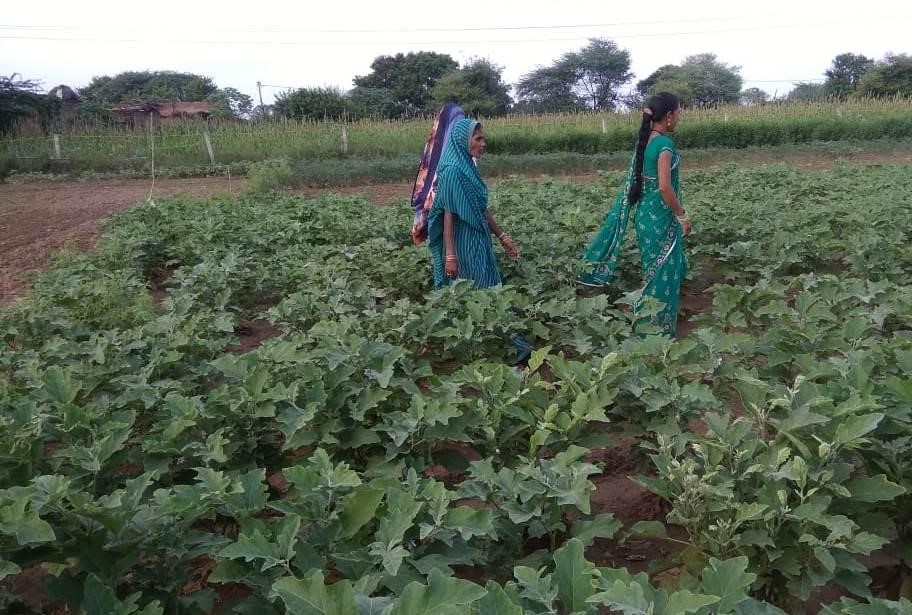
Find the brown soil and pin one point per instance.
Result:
(252, 333)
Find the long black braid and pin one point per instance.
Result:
(656, 109)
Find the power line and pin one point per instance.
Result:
(431, 42)
(400, 30)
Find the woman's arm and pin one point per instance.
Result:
(668, 193)
(505, 240)
(449, 244)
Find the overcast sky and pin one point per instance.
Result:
(306, 43)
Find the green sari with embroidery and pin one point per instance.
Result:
(661, 241)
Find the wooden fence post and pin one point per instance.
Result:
(604, 126)
(57, 154)
(208, 145)
(344, 140)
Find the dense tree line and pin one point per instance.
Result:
(596, 77)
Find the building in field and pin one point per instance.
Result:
(138, 115)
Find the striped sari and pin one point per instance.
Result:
(462, 192)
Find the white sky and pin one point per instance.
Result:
(305, 43)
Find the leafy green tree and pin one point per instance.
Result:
(478, 87)
(804, 92)
(21, 99)
(845, 74)
(892, 76)
(148, 86)
(409, 78)
(230, 103)
(366, 102)
(645, 86)
(700, 81)
(599, 69)
(754, 96)
(548, 89)
(312, 104)
(588, 78)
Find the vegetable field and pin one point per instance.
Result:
(181, 149)
(257, 405)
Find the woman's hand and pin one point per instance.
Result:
(509, 247)
(686, 226)
(452, 266)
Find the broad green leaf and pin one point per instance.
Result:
(602, 526)
(26, 526)
(470, 522)
(752, 606)
(873, 489)
(8, 568)
(311, 596)
(573, 575)
(401, 510)
(360, 507)
(629, 599)
(60, 386)
(371, 606)
(729, 581)
(682, 602)
(497, 602)
(441, 596)
(856, 427)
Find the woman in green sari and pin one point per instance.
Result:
(459, 223)
(652, 194)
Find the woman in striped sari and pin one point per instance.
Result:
(460, 224)
(653, 190)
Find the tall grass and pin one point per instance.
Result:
(99, 148)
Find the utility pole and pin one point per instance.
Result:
(260, 90)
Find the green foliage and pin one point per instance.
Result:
(408, 78)
(478, 87)
(148, 86)
(807, 92)
(548, 89)
(891, 76)
(139, 445)
(384, 150)
(845, 74)
(312, 104)
(588, 78)
(20, 99)
(699, 81)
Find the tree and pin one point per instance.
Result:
(478, 87)
(646, 86)
(892, 76)
(600, 69)
(711, 82)
(148, 86)
(22, 99)
(700, 81)
(754, 96)
(588, 78)
(549, 89)
(311, 104)
(845, 74)
(366, 102)
(806, 92)
(409, 78)
(230, 103)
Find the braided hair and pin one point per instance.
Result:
(657, 107)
